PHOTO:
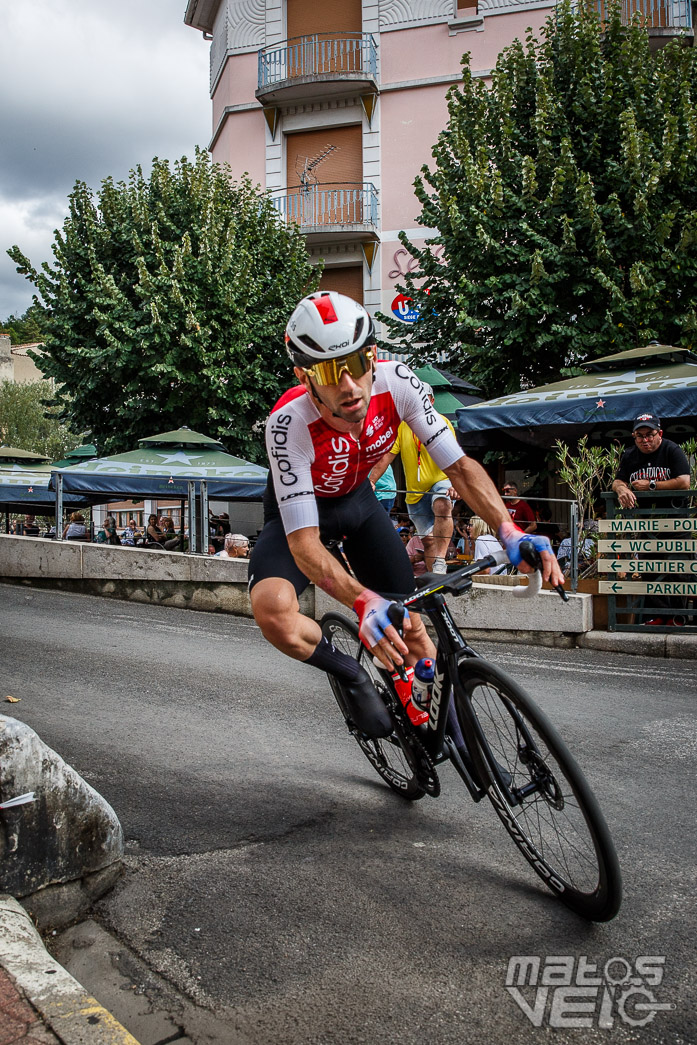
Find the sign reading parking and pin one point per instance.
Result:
(611, 587)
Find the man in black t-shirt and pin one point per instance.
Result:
(653, 463)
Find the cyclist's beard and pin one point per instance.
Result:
(336, 413)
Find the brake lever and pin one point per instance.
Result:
(396, 611)
(532, 557)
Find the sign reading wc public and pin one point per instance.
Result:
(650, 546)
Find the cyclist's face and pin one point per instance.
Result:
(348, 400)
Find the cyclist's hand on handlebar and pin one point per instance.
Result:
(512, 538)
(376, 627)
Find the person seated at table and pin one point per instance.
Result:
(76, 529)
(130, 534)
(417, 556)
(30, 527)
(236, 547)
(170, 537)
(108, 534)
(153, 533)
(485, 542)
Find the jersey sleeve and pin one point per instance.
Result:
(290, 450)
(624, 470)
(413, 405)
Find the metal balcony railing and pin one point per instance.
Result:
(345, 54)
(653, 14)
(333, 204)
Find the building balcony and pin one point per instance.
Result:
(326, 63)
(343, 211)
(662, 19)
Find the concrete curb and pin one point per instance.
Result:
(74, 1016)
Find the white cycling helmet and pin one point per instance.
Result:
(327, 325)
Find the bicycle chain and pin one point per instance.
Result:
(423, 765)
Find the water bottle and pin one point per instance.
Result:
(422, 686)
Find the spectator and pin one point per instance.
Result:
(170, 538)
(545, 526)
(76, 529)
(386, 489)
(154, 533)
(653, 463)
(417, 555)
(430, 495)
(130, 533)
(520, 511)
(236, 547)
(586, 549)
(465, 541)
(485, 542)
(30, 527)
(108, 534)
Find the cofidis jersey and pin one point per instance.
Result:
(309, 458)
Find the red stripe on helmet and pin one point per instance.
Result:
(326, 309)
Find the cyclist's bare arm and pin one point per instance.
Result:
(476, 488)
(320, 567)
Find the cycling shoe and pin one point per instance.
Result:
(366, 710)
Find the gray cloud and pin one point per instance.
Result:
(91, 89)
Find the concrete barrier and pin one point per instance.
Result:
(220, 586)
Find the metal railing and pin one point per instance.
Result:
(653, 14)
(346, 54)
(329, 204)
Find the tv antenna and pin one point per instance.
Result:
(307, 175)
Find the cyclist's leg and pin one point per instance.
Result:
(275, 586)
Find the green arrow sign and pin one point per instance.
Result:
(647, 587)
(647, 525)
(684, 568)
(650, 546)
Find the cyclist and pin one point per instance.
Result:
(323, 438)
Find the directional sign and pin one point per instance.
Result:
(657, 525)
(686, 567)
(666, 545)
(611, 587)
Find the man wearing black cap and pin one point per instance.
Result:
(653, 463)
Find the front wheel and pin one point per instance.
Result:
(394, 757)
(539, 791)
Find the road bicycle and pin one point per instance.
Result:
(512, 754)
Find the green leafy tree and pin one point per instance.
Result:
(565, 202)
(28, 424)
(166, 306)
(23, 329)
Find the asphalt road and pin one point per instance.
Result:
(276, 881)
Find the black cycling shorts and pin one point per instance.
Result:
(370, 542)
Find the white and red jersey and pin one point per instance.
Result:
(309, 458)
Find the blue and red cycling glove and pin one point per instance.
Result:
(373, 617)
(511, 538)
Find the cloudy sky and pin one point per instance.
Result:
(88, 88)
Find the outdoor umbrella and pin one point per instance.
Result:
(162, 466)
(601, 403)
(450, 393)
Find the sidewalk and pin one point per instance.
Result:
(41, 1003)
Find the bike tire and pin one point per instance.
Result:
(549, 809)
(391, 757)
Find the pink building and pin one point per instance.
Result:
(334, 105)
